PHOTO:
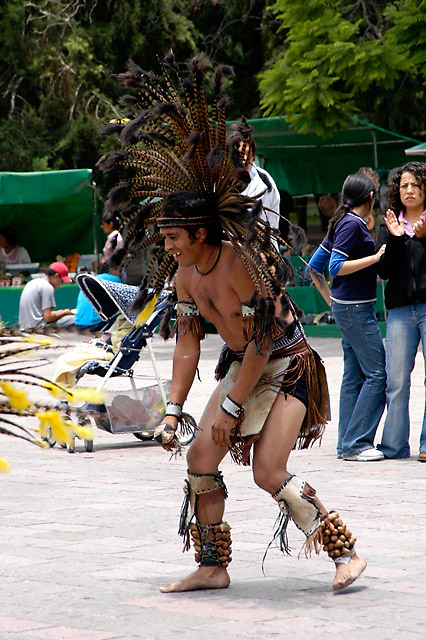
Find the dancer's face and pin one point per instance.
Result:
(184, 248)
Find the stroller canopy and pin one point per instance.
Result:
(108, 298)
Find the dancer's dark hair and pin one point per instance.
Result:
(187, 204)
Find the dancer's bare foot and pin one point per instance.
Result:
(346, 574)
(203, 578)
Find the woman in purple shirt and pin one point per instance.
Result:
(352, 263)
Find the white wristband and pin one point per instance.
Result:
(231, 407)
(173, 409)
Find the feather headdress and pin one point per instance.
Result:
(174, 139)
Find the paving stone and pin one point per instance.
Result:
(87, 539)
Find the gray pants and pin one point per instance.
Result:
(65, 322)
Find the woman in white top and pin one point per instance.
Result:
(10, 252)
(110, 224)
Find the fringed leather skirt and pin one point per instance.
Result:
(294, 369)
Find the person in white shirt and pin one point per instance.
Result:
(37, 302)
(261, 182)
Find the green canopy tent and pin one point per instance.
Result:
(417, 150)
(303, 163)
(52, 212)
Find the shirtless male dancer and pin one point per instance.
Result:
(184, 184)
(212, 281)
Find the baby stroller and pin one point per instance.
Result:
(142, 409)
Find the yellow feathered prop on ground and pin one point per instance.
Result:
(16, 379)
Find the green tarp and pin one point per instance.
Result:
(417, 150)
(51, 211)
(305, 163)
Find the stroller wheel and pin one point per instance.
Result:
(186, 436)
(71, 444)
(144, 435)
(88, 421)
(49, 439)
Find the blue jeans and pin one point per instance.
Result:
(362, 394)
(406, 326)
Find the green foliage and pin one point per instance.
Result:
(316, 61)
(336, 59)
(58, 62)
(40, 164)
(408, 18)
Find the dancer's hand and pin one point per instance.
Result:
(321, 284)
(221, 429)
(163, 434)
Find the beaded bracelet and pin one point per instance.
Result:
(173, 409)
(231, 407)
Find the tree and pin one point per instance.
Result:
(337, 58)
(57, 84)
(59, 57)
(316, 61)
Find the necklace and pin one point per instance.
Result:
(206, 273)
(203, 273)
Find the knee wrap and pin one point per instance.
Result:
(212, 544)
(337, 540)
(195, 485)
(295, 504)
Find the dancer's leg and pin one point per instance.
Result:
(294, 496)
(203, 459)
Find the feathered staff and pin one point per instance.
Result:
(16, 379)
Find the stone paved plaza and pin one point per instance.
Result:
(87, 539)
